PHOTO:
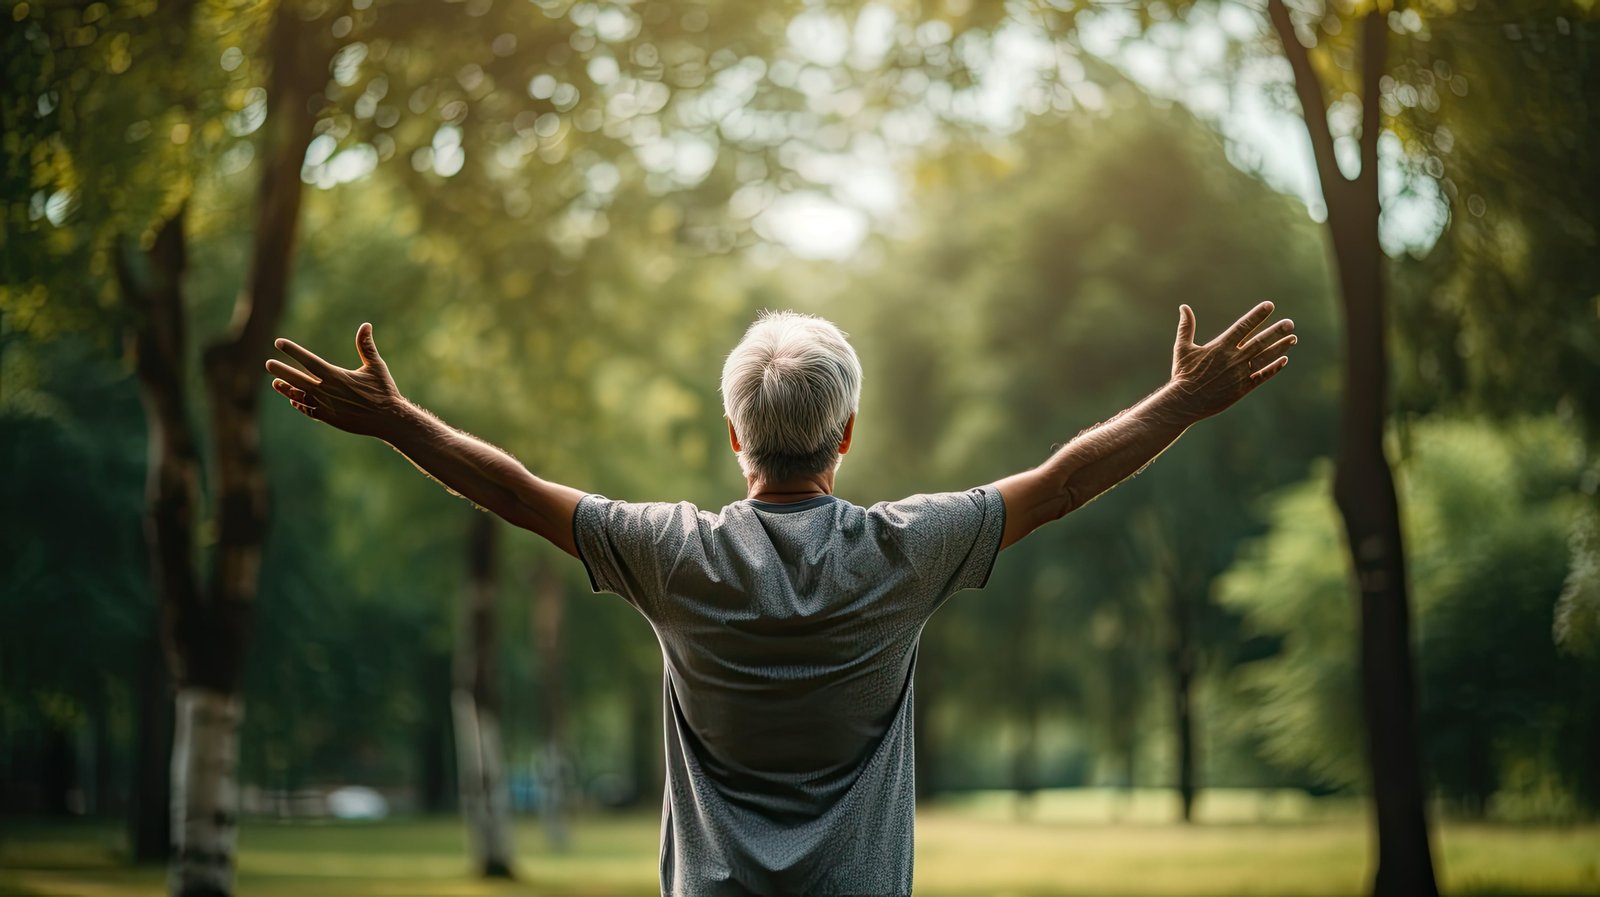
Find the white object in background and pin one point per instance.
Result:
(357, 802)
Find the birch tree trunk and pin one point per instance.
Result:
(205, 791)
(475, 706)
(159, 346)
(1363, 482)
(204, 630)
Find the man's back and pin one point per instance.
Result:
(789, 635)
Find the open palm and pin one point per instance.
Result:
(363, 401)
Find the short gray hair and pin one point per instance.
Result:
(789, 388)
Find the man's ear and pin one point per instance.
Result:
(733, 437)
(849, 431)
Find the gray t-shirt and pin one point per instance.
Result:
(789, 635)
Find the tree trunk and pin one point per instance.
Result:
(205, 791)
(1365, 493)
(549, 609)
(205, 631)
(1181, 664)
(1363, 482)
(213, 635)
(475, 702)
(172, 499)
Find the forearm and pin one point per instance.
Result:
(1110, 452)
(365, 401)
(480, 472)
(1095, 461)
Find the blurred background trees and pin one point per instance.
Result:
(559, 217)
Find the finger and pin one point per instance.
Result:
(1273, 352)
(1185, 325)
(1278, 330)
(1270, 371)
(308, 410)
(312, 361)
(289, 392)
(294, 375)
(366, 346)
(1242, 327)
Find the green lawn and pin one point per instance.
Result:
(1247, 845)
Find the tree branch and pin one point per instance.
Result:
(300, 53)
(1314, 108)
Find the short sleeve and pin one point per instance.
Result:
(950, 538)
(630, 549)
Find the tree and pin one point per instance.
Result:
(1363, 485)
(485, 797)
(206, 626)
(100, 66)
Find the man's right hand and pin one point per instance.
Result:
(1213, 376)
(364, 401)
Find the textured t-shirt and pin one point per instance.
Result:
(789, 636)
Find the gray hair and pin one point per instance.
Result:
(789, 388)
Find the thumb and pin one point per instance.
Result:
(1185, 325)
(366, 347)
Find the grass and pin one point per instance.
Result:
(1247, 843)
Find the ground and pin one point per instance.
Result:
(1257, 844)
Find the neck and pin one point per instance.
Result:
(787, 491)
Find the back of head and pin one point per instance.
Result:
(789, 388)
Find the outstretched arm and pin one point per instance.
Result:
(1205, 380)
(366, 401)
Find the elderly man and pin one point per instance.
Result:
(789, 619)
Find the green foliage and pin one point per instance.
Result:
(1578, 613)
(1503, 313)
(1503, 711)
(1294, 583)
(71, 463)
